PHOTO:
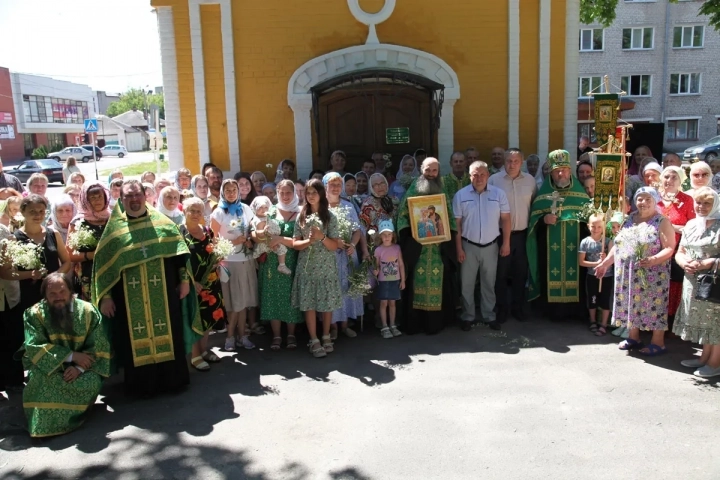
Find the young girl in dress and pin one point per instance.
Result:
(390, 272)
(264, 226)
(168, 204)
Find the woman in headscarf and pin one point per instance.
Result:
(258, 180)
(640, 154)
(231, 220)
(642, 284)
(183, 178)
(698, 321)
(276, 289)
(62, 211)
(268, 190)
(201, 189)
(651, 174)
(93, 214)
(378, 206)
(168, 203)
(407, 172)
(349, 186)
(352, 306)
(285, 170)
(700, 176)
(677, 207)
(247, 189)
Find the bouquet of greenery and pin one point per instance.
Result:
(359, 281)
(587, 211)
(346, 226)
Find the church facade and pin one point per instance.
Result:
(249, 83)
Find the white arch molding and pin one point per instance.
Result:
(368, 57)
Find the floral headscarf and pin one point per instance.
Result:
(61, 201)
(385, 202)
(85, 210)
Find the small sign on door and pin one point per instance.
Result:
(398, 135)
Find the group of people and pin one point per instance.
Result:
(135, 275)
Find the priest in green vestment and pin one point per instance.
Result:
(553, 240)
(428, 300)
(141, 283)
(458, 177)
(67, 355)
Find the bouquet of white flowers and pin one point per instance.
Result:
(239, 229)
(633, 243)
(360, 278)
(312, 220)
(24, 256)
(82, 240)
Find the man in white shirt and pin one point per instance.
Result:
(520, 189)
(479, 210)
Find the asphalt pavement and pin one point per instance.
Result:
(537, 400)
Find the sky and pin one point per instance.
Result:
(111, 45)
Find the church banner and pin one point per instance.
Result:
(606, 114)
(608, 179)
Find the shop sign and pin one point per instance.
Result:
(6, 117)
(7, 132)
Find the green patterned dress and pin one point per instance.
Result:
(275, 287)
(316, 285)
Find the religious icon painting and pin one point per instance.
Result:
(428, 219)
(609, 170)
(608, 175)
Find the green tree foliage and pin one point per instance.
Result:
(603, 11)
(40, 153)
(135, 98)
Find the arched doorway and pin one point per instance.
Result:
(375, 111)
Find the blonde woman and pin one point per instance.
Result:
(69, 168)
(700, 176)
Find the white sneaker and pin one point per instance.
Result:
(386, 333)
(245, 343)
(707, 372)
(230, 344)
(693, 363)
(284, 270)
(394, 330)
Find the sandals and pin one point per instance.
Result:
(316, 349)
(291, 342)
(593, 327)
(210, 357)
(630, 344)
(653, 350)
(199, 364)
(327, 344)
(276, 342)
(600, 332)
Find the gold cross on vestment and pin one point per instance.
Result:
(144, 251)
(555, 271)
(555, 246)
(155, 280)
(139, 328)
(160, 324)
(571, 271)
(571, 247)
(421, 270)
(134, 283)
(435, 271)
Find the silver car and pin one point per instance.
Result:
(80, 154)
(114, 151)
(705, 151)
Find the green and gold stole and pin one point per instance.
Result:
(563, 240)
(132, 250)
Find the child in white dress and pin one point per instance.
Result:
(267, 227)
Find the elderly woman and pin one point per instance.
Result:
(183, 177)
(231, 220)
(634, 182)
(378, 206)
(268, 190)
(641, 284)
(700, 176)
(407, 172)
(677, 207)
(69, 168)
(651, 174)
(150, 194)
(93, 214)
(698, 321)
(258, 180)
(276, 289)
(199, 239)
(62, 211)
(201, 189)
(352, 307)
(168, 203)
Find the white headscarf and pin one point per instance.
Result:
(171, 214)
(61, 201)
(414, 173)
(294, 205)
(260, 201)
(714, 213)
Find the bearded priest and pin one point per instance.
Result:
(554, 234)
(428, 300)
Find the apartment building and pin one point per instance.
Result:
(667, 58)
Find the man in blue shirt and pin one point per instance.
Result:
(479, 211)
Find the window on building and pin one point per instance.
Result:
(637, 38)
(587, 130)
(589, 84)
(637, 85)
(39, 109)
(682, 129)
(591, 39)
(56, 139)
(688, 36)
(685, 84)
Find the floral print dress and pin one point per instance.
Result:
(316, 285)
(210, 297)
(698, 321)
(641, 299)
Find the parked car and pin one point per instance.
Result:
(705, 151)
(52, 169)
(80, 154)
(89, 148)
(114, 151)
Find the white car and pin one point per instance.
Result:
(114, 151)
(80, 154)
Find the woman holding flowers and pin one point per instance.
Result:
(641, 255)
(678, 207)
(201, 189)
(346, 257)
(231, 220)
(85, 231)
(377, 207)
(316, 287)
(275, 288)
(698, 321)
(204, 261)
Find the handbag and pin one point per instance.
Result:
(708, 285)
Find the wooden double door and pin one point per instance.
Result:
(356, 121)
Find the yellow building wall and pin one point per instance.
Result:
(557, 76)
(529, 74)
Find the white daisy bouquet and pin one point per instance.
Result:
(239, 228)
(22, 256)
(222, 248)
(312, 220)
(360, 278)
(82, 240)
(633, 244)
